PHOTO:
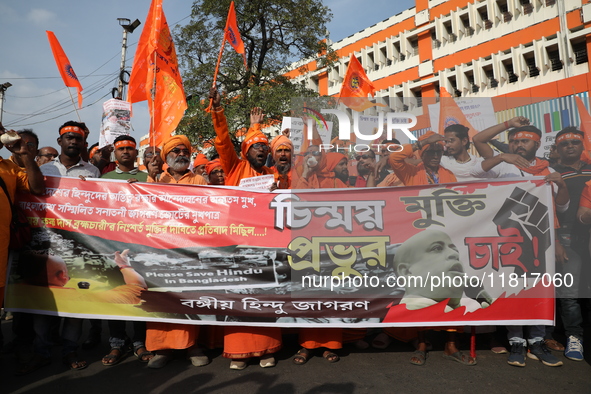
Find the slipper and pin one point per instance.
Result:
(330, 356)
(420, 356)
(36, 363)
(238, 365)
(302, 356)
(144, 356)
(197, 358)
(459, 357)
(267, 361)
(160, 360)
(381, 341)
(553, 344)
(113, 358)
(72, 361)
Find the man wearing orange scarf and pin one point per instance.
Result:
(429, 172)
(162, 338)
(199, 164)
(255, 147)
(215, 172)
(242, 343)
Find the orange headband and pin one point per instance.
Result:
(569, 136)
(521, 135)
(93, 151)
(124, 143)
(72, 129)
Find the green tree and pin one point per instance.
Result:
(275, 33)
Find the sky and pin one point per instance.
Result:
(90, 35)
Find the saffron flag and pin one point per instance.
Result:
(64, 66)
(450, 113)
(585, 127)
(356, 87)
(232, 34)
(162, 88)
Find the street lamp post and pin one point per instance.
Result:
(128, 27)
(3, 88)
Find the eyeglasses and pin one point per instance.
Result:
(48, 155)
(259, 145)
(177, 151)
(313, 153)
(364, 157)
(569, 142)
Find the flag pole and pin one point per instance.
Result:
(215, 73)
(153, 94)
(73, 103)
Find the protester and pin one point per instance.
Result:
(215, 173)
(282, 150)
(458, 160)
(163, 338)
(573, 248)
(72, 141)
(46, 154)
(153, 162)
(31, 142)
(199, 164)
(126, 155)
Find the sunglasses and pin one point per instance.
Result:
(48, 155)
(364, 157)
(259, 145)
(177, 151)
(313, 153)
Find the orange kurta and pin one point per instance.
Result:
(314, 338)
(246, 342)
(234, 167)
(283, 181)
(412, 175)
(161, 336)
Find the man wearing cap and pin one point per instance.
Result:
(215, 172)
(72, 141)
(255, 147)
(163, 338)
(199, 164)
(429, 171)
(126, 154)
(281, 149)
(521, 161)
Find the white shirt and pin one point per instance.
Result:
(462, 171)
(56, 168)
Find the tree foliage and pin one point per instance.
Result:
(275, 34)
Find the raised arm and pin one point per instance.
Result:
(482, 139)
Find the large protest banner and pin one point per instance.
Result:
(473, 253)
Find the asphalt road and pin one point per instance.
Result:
(358, 371)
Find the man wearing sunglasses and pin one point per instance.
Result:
(254, 147)
(45, 155)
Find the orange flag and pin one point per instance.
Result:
(585, 127)
(356, 87)
(450, 113)
(155, 51)
(64, 66)
(232, 34)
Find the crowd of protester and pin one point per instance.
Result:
(432, 159)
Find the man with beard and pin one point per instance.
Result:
(163, 338)
(366, 166)
(199, 164)
(429, 172)
(72, 141)
(126, 155)
(254, 148)
(524, 141)
(281, 149)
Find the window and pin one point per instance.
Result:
(490, 75)
(414, 44)
(530, 60)
(580, 51)
(419, 96)
(554, 57)
(508, 64)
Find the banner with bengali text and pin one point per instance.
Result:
(459, 254)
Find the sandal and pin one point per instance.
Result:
(36, 363)
(461, 358)
(302, 356)
(113, 358)
(418, 357)
(330, 356)
(144, 355)
(72, 361)
(238, 364)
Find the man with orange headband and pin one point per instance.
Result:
(254, 148)
(163, 338)
(126, 155)
(199, 164)
(574, 238)
(72, 141)
(215, 172)
(282, 149)
(521, 161)
(429, 172)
